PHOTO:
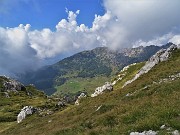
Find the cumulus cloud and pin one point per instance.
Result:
(69, 37)
(47, 43)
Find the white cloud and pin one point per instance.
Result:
(101, 22)
(47, 43)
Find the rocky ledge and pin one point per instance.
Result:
(99, 90)
(160, 56)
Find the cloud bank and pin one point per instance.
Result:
(126, 23)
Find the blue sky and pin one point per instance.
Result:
(47, 13)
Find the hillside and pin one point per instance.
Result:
(81, 71)
(150, 102)
(14, 96)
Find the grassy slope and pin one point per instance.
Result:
(10, 107)
(81, 84)
(146, 109)
(128, 74)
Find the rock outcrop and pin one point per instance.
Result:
(160, 56)
(99, 90)
(12, 85)
(150, 132)
(122, 73)
(27, 110)
(82, 95)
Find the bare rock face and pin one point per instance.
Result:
(161, 55)
(99, 90)
(13, 85)
(27, 110)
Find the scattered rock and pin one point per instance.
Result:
(176, 132)
(99, 90)
(29, 93)
(98, 108)
(163, 127)
(77, 102)
(61, 104)
(127, 67)
(82, 95)
(127, 95)
(49, 112)
(168, 129)
(49, 121)
(44, 112)
(122, 73)
(27, 110)
(150, 132)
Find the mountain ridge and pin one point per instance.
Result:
(95, 63)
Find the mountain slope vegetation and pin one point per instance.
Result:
(145, 104)
(14, 96)
(80, 71)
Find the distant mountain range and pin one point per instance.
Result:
(77, 72)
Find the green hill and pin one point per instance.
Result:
(147, 103)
